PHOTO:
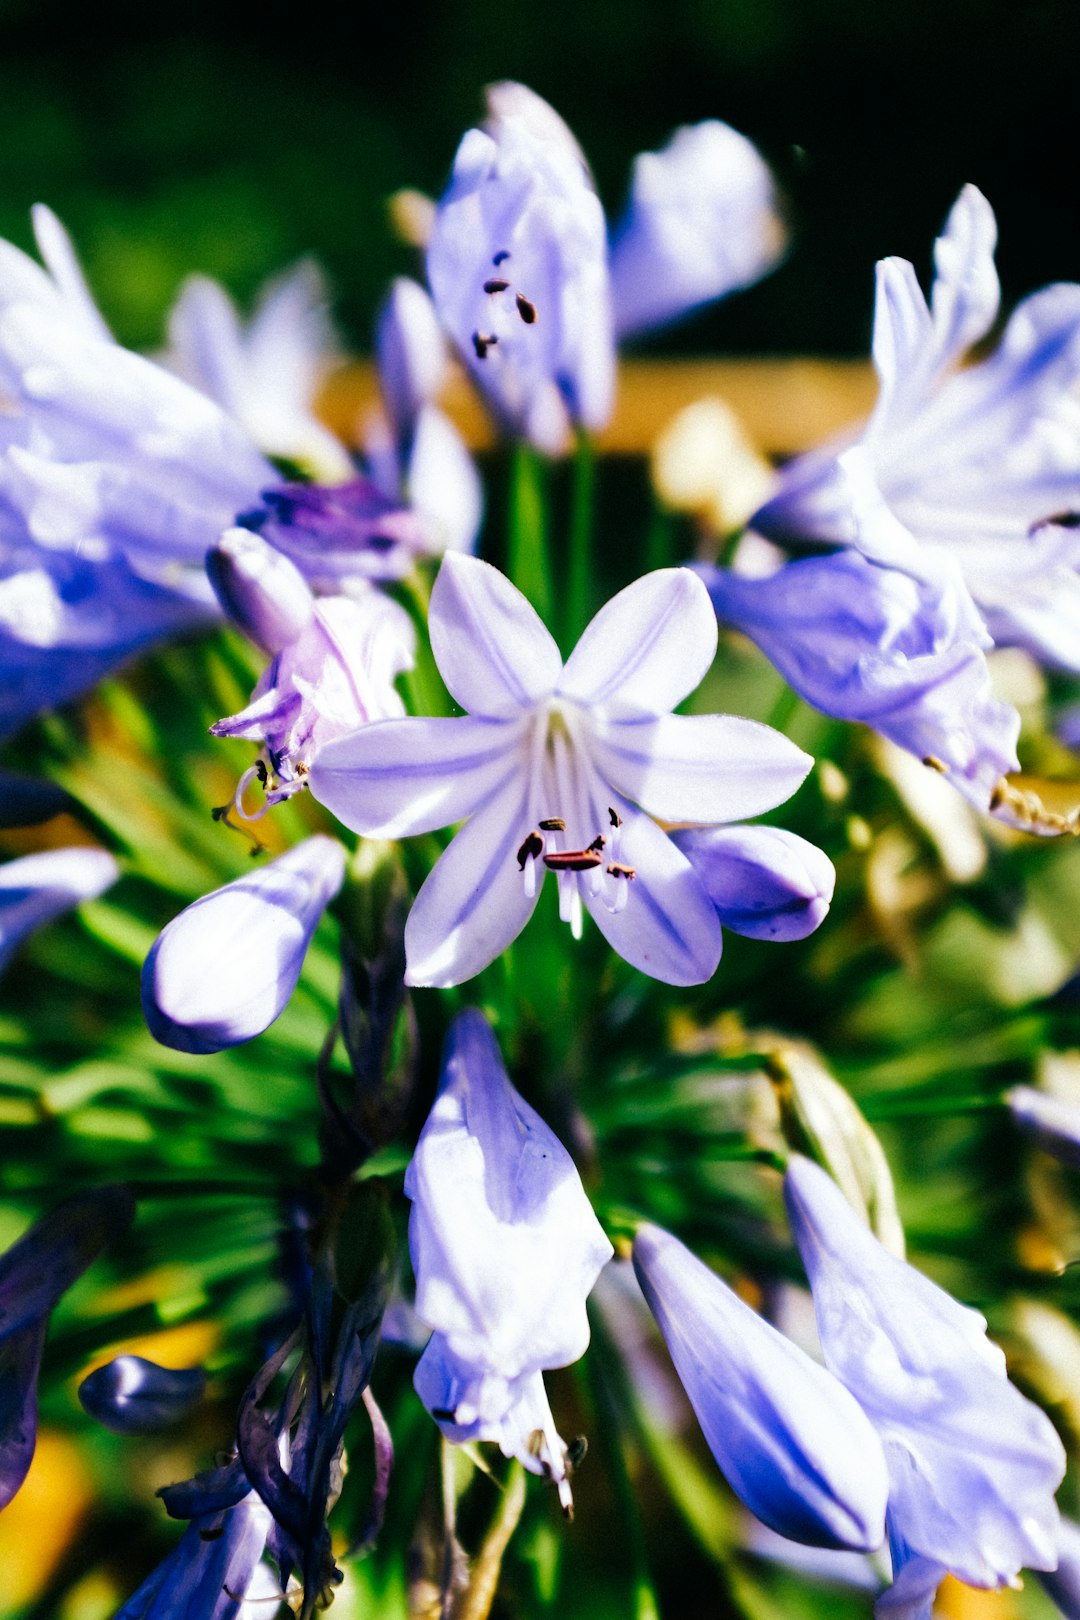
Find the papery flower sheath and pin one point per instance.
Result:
(505, 1248)
(36, 888)
(223, 970)
(517, 264)
(973, 1466)
(977, 463)
(702, 220)
(791, 1441)
(561, 768)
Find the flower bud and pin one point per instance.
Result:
(222, 971)
(131, 1395)
(788, 1437)
(261, 591)
(765, 882)
(410, 353)
(36, 888)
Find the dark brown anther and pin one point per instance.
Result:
(443, 1414)
(936, 764)
(482, 342)
(526, 309)
(1060, 520)
(531, 849)
(618, 870)
(496, 284)
(212, 1534)
(572, 860)
(575, 1452)
(598, 842)
(614, 817)
(261, 773)
(501, 257)
(553, 824)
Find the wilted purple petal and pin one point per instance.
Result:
(765, 882)
(20, 1364)
(223, 970)
(56, 1250)
(131, 1395)
(788, 1437)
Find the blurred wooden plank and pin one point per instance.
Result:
(785, 404)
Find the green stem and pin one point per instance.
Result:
(579, 571)
(530, 567)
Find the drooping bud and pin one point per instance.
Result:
(788, 1437)
(262, 592)
(223, 970)
(131, 1395)
(765, 882)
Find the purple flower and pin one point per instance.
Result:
(788, 1437)
(973, 1466)
(765, 882)
(34, 1273)
(223, 970)
(866, 641)
(336, 675)
(36, 888)
(702, 220)
(131, 1395)
(562, 768)
(211, 1569)
(505, 1248)
(517, 264)
(979, 463)
(341, 534)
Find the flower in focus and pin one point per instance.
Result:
(791, 1441)
(34, 1273)
(702, 220)
(973, 1466)
(131, 1395)
(765, 882)
(265, 374)
(223, 970)
(561, 768)
(505, 1248)
(979, 464)
(336, 672)
(36, 888)
(517, 264)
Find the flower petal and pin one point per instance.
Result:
(492, 650)
(473, 903)
(700, 767)
(966, 294)
(397, 777)
(647, 648)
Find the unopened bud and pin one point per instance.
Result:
(262, 592)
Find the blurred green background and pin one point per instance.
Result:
(233, 140)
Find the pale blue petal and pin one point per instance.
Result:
(493, 651)
(966, 293)
(646, 649)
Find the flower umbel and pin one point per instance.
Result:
(561, 768)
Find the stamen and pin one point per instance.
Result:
(553, 824)
(1060, 520)
(532, 848)
(496, 285)
(572, 860)
(526, 309)
(501, 257)
(617, 870)
(598, 842)
(482, 342)
(614, 817)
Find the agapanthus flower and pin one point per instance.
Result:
(973, 1465)
(702, 220)
(791, 1441)
(341, 536)
(36, 888)
(131, 1395)
(34, 1273)
(223, 970)
(980, 464)
(336, 674)
(561, 768)
(505, 1248)
(266, 372)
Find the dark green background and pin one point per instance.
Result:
(195, 137)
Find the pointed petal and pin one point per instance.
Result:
(964, 302)
(393, 778)
(56, 1250)
(668, 927)
(699, 767)
(473, 903)
(57, 249)
(492, 650)
(20, 1363)
(647, 648)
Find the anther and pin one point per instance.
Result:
(482, 342)
(443, 1414)
(1060, 520)
(614, 817)
(496, 285)
(617, 870)
(531, 849)
(553, 824)
(501, 257)
(936, 764)
(598, 842)
(572, 860)
(526, 309)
